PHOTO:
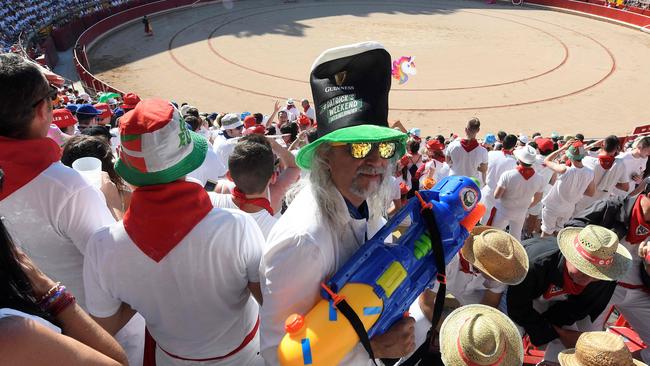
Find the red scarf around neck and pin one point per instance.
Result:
(639, 228)
(24, 160)
(161, 215)
(507, 152)
(469, 145)
(606, 161)
(568, 286)
(526, 171)
(240, 199)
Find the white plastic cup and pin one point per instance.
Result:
(91, 169)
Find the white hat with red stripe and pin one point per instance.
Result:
(156, 146)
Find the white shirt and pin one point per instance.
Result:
(466, 163)
(223, 148)
(604, 180)
(51, 219)
(211, 169)
(498, 163)
(569, 188)
(302, 251)
(311, 113)
(468, 288)
(634, 166)
(518, 193)
(263, 218)
(195, 300)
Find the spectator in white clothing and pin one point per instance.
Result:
(635, 162)
(466, 157)
(573, 182)
(499, 162)
(308, 110)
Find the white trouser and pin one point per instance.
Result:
(131, 338)
(487, 199)
(503, 218)
(553, 220)
(635, 306)
(247, 356)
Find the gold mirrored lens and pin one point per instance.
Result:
(360, 150)
(387, 149)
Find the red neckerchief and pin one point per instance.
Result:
(306, 109)
(507, 152)
(438, 155)
(240, 199)
(606, 161)
(526, 171)
(465, 266)
(469, 145)
(567, 162)
(639, 229)
(24, 160)
(569, 287)
(161, 215)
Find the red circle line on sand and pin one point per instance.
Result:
(611, 71)
(562, 62)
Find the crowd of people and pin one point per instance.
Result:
(202, 232)
(30, 16)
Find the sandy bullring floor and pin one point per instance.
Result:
(516, 68)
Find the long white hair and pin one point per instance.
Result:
(332, 208)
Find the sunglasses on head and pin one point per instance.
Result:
(359, 150)
(52, 94)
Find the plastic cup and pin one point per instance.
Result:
(91, 169)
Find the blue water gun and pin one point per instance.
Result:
(381, 281)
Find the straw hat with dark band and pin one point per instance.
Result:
(480, 335)
(598, 349)
(497, 254)
(595, 251)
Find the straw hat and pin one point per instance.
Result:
(595, 251)
(479, 334)
(598, 349)
(497, 254)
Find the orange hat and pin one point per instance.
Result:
(105, 109)
(258, 129)
(303, 120)
(130, 101)
(435, 145)
(249, 121)
(63, 118)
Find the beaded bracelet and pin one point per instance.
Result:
(65, 300)
(51, 296)
(50, 292)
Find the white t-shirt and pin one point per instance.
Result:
(518, 193)
(212, 169)
(263, 218)
(604, 180)
(634, 166)
(498, 163)
(468, 288)
(51, 219)
(466, 163)
(195, 300)
(569, 188)
(223, 148)
(302, 251)
(311, 113)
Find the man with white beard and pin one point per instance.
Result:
(341, 205)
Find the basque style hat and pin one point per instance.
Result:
(156, 146)
(350, 86)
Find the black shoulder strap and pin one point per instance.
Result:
(429, 351)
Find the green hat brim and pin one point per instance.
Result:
(361, 133)
(189, 164)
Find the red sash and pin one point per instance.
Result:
(507, 152)
(149, 358)
(469, 145)
(639, 229)
(24, 160)
(161, 215)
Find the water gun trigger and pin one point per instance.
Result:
(423, 203)
(335, 297)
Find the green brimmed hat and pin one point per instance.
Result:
(156, 146)
(350, 86)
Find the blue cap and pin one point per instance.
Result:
(88, 110)
(118, 112)
(490, 139)
(72, 108)
(244, 115)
